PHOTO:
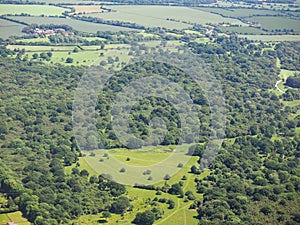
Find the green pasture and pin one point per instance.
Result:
(34, 40)
(157, 16)
(8, 28)
(78, 25)
(41, 48)
(179, 215)
(33, 10)
(142, 160)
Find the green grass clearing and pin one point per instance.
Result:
(13, 217)
(179, 215)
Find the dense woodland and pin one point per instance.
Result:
(254, 180)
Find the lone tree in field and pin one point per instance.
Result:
(69, 60)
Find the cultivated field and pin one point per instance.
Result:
(8, 28)
(34, 10)
(239, 13)
(272, 23)
(156, 16)
(242, 30)
(76, 24)
(86, 8)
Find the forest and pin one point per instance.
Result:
(254, 179)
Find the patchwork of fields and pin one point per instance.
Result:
(76, 24)
(162, 16)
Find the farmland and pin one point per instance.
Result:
(240, 13)
(242, 30)
(157, 16)
(33, 10)
(8, 28)
(86, 8)
(86, 55)
(76, 24)
(276, 23)
(268, 38)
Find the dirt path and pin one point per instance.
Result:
(276, 86)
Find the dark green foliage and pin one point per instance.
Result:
(144, 218)
(293, 81)
(120, 205)
(37, 150)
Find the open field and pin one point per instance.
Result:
(86, 57)
(242, 30)
(34, 40)
(272, 37)
(272, 23)
(34, 10)
(8, 28)
(143, 159)
(179, 215)
(239, 13)
(76, 24)
(86, 8)
(15, 217)
(29, 48)
(156, 16)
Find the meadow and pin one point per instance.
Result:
(181, 214)
(33, 10)
(76, 24)
(159, 159)
(8, 28)
(157, 16)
